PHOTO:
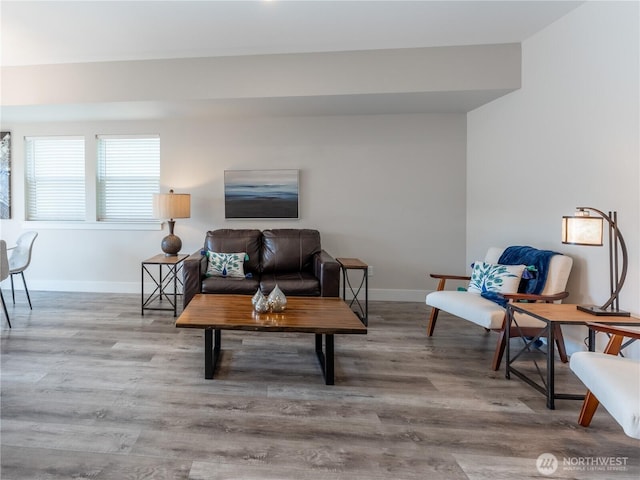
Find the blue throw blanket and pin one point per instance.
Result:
(539, 259)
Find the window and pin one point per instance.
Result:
(128, 176)
(55, 178)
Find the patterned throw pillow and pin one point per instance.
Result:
(225, 264)
(488, 277)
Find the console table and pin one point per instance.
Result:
(347, 264)
(165, 282)
(552, 314)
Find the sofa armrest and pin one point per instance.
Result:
(443, 279)
(327, 270)
(530, 297)
(617, 334)
(193, 268)
(615, 330)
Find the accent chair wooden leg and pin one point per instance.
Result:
(432, 321)
(434, 311)
(500, 347)
(560, 344)
(589, 407)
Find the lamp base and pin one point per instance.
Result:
(171, 245)
(598, 311)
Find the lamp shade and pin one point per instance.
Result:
(582, 230)
(172, 205)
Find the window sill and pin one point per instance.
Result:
(54, 225)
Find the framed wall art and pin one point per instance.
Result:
(5, 175)
(261, 193)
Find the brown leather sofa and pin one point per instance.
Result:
(291, 258)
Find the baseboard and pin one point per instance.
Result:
(380, 294)
(87, 287)
(395, 295)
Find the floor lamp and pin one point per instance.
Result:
(583, 229)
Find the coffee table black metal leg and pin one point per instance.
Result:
(211, 351)
(320, 353)
(328, 356)
(325, 358)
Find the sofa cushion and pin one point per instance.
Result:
(289, 250)
(476, 309)
(294, 283)
(225, 264)
(238, 286)
(615, 382)
(241, 240)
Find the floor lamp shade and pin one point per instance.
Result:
(583, 229)
(169, 206)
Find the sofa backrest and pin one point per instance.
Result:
(289, 250)
(228, 240)
(557, 276)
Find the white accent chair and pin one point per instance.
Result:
(488, 314)
(4, 274)
(611, 380)
(20, 259)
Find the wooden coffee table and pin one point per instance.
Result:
(318, 315)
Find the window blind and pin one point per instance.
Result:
(55, 178)
(128, 176)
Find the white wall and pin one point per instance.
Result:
(388, 189)
(567, 138)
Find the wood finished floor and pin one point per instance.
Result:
(93, 390)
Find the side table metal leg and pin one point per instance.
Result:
(175, 291)
(366, 297)
(507, 335)
(551, 391)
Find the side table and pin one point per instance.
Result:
(166, 282)
(347, 264)
(551, 314)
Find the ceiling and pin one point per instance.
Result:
(89, 31)
(55, 32)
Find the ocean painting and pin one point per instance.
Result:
(261, 193)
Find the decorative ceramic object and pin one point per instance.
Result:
(257, 296)
(261, 305)
(277, 301)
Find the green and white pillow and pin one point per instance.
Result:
(488, 277)
(225, 264)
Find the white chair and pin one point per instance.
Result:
(4, 274)
(475, 308)
(611, 380)
(20, 259)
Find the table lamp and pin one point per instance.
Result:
(171, 205)
(583, 229)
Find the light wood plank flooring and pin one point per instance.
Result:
(93, 390)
